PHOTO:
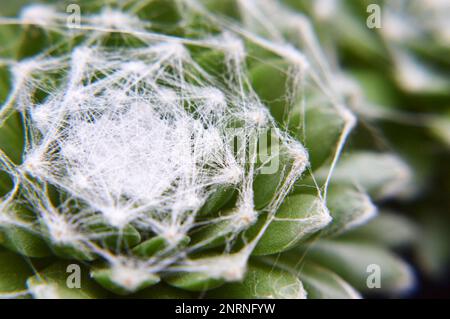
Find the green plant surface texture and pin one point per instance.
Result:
(198, 149)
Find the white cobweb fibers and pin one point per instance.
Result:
(142, 136)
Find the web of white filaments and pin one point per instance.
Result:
(143, 136)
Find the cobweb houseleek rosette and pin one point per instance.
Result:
(130, 165)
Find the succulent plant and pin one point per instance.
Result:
(400, 84)
(189, 148)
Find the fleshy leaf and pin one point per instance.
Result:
(157, 244)
(299, 216)
(276, 165)
(72, 252)
(54, 282)
(123, 281)
(349, 208)
(440, 127)
(323, 128)
(322, 283)
(434, 245)
(381, 175)
(265, 185)
(263, 280)
(160, 12)
(23, 241)
(114, 238)
(195, 281)
(269, 80)
(390, 229)
(217, 200)
(162, 291)
(355, 262)
(14, 271)
(209, 272)
(11, 138)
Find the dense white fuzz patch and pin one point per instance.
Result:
(115, 19)
(228, 267)
(38, 14)
(131, 274)
(44, 291)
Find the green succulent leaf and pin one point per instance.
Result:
(415, 75)
(10, 36)
(215, 234)
(322, 130)
(23, 241)
(72, 252)
(11, 138)
(5, 84)
(263, 280)
(355, 262)
(299, 216)
(434, 245)
(217, 200)
(157, 244)
(6, 183)
(348, 207)
(380, 174)
(269, 80)
(116, 239)
(440, 127)
(33, 40)
(149, 247)
(225, 7)
(213, 61)
(54, 282)
(13, 7)
(194, 281)
(14, 271)
(160, 12)
(122, 283)
(389, 229)
(322, 283)
(162, 291)
(377, 88)
(276, 164)
(266, 185)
